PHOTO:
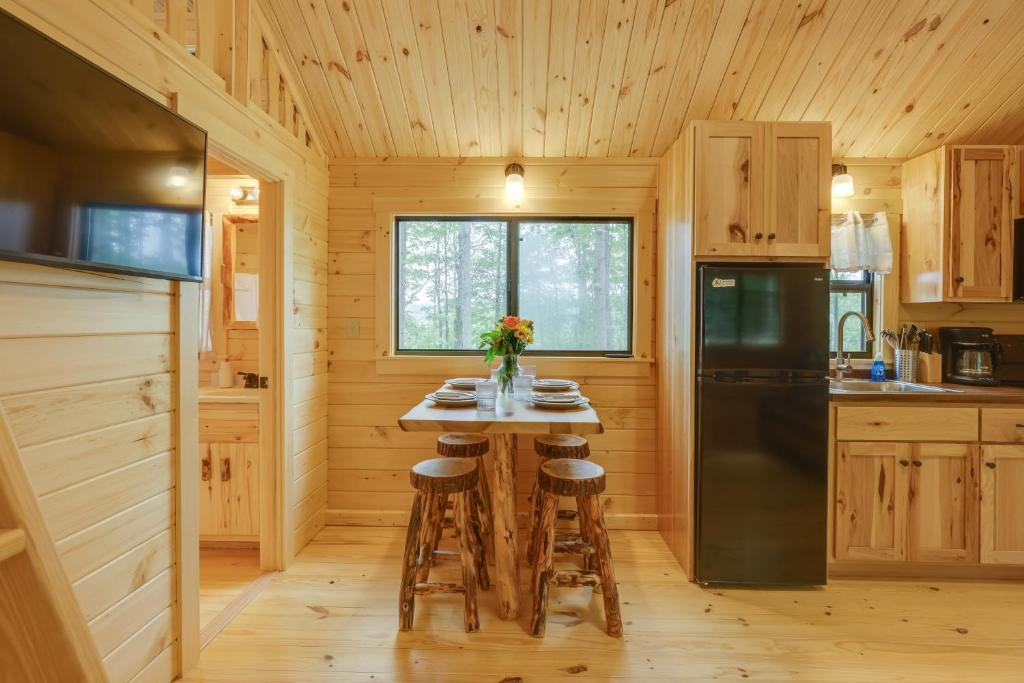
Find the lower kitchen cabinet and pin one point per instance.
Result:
(871, 501)
(1002, 504)
(229, 453)
(942, 512)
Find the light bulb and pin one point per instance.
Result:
(514, 185)
(842, 185)
(237, 193)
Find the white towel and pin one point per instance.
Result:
(247, 296)
(861, 242)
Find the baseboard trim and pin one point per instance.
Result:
(923, 570)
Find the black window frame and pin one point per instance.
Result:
(512, 223)
(865, 285)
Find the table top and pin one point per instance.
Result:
(510, 417)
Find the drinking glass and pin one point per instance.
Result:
(530, 370)
(486, 396)
(522, 387)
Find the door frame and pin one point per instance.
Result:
(274, 303)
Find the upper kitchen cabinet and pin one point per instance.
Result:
(958, 206)
(761, 189)
(798, 162)
(728, 183)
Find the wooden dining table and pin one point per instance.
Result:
(508, 419)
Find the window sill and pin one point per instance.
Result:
(571, 367)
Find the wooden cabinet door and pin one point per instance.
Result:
(728, 188)
(980, 223)
(1002, 504)
(943, 513)
(871, 500)
(229, 490)
(1017, 190)
(798, 189)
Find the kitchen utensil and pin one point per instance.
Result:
(554, 385)
(926, 342)
(554, 398)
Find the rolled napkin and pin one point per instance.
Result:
(445, 394)
(555, 398)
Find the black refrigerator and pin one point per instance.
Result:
(762, 424)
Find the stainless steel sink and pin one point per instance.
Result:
(863, 386)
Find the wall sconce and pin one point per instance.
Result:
(514, 186)
(842, 181)
(245, 196)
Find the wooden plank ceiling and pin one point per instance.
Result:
(616, 78)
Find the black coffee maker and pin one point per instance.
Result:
(970, 355)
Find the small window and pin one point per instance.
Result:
(850, 292)
(456, 276)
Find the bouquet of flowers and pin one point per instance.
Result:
(508, 339)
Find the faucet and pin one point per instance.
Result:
(842, 367)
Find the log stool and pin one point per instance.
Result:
(472, 446)
(549, 446)
(435, 480)
(584, 480)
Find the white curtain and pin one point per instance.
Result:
(861, 242)
(206, 291)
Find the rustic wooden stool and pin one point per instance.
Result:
(472, 446)
(584, 480)
(435, 480)
(549, 446)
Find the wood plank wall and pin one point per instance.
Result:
(369, 455)
(86, 366)
(877, 187)
(87, 385)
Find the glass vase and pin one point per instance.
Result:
(509, 369)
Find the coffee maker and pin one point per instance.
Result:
(970, 355)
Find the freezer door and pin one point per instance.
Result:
(762, 454)
(763, 318)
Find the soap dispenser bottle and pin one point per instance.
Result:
(878, 368)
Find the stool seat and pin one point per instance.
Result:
(567, 477)
(561, 446)
(445, 475)
(463, 445)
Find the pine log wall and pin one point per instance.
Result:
(369, 456)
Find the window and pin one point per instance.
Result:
(456, 276)
(850, 292)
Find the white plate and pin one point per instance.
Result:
(560, 405)
(454, 398)
(554, 385)
(464, 382)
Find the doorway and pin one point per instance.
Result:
(238, 504)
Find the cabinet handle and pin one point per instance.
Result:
(904, 462)
(990, 465)
(225, 469)
(759, 235)
(771, 235)
(918, 463)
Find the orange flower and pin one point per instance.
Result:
(511, 322)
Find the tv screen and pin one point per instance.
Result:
(93, 174)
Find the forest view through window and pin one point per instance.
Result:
(456, 276)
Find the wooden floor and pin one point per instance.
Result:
(226, 575)
(332, 617)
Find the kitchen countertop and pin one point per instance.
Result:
(965, 394)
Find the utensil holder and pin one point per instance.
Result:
(906, 365)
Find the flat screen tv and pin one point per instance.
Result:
(93, 174)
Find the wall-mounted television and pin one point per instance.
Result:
(93, 174)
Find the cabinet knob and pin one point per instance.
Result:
(759, 235)
(918, 463)
(960, 280)
(990, 465)
(771, 235)
(904, 462)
